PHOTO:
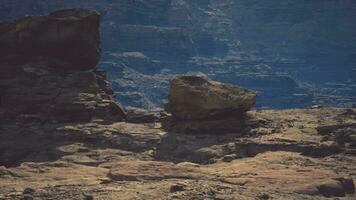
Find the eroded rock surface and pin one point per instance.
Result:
(283, 156)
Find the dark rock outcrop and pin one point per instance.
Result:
(70, 38)
(46, 71)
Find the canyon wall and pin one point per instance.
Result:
(293, 53)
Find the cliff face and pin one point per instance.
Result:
(48, 70)
(298, 52)
(62, 135)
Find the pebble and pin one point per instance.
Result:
(88, 197)
(27, 197)
(28, 191)
(178, 187)
(229, 158)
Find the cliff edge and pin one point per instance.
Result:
(62, 135)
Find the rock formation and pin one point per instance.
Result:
(69, 36)
(62, 136)
(209, 105)
(192, 97)
(48, 74)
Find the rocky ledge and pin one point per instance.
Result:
(62, 136)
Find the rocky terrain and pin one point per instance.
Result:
(63, 135)
(293, 53)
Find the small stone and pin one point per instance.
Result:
(28, 191)
(27, 197)
(177, 187)
(88, 196)
(316, 107)
(263, 197)
(352, 138)
(211, 192)
(348, 185)
(332, 189)
(308, 190)
(229, 158)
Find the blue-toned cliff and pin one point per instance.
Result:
(294, 53)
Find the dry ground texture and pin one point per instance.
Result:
(286, 154)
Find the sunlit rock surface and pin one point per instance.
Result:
(192, 97)
(201, 106)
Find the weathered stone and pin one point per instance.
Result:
(308, 190)
(69, 37)
(136, 115)
(332, 188)
(201, 106)
(348, 185)
(192, 97)
(178, 187)
(88, 196)
(229, 158)
(29, 191)
(27, 197)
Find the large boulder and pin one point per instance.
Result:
(192, 97)
(48, 77)
(70, 38)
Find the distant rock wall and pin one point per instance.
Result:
(307, 47)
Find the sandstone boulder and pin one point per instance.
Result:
(70, 38)
(192, 97)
